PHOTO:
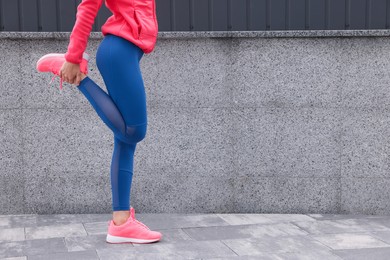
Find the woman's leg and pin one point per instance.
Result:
(123, 110)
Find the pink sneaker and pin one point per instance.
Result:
(132, 231)
(53, 62)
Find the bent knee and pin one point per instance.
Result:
(136, 133)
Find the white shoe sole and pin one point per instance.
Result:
(85, 56)
(114, 239)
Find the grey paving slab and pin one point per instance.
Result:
(16, 258)
(32, 247)
(92, 242)
(303, 255)
(243, 231)
(63, 230)
(276, 245)
(288, 217)
(309, 255)
(174, 235)
(364, 254)
(171, 221)
(204, 236)
(345, 216)
(264, 256)
(18, 221)
(163, 222)
(130, 255)
(245, 219)
(12, 234)
(342, 226)
(44, 246)
(349, 241)
(181, 250)
(85, 255)
(375, 222)
(382, 235)
(55, 219)
(95, 228)
(12, 249)
(4, 221)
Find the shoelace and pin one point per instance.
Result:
(140, 223)
(60, 81)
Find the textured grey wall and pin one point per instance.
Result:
(236, 124)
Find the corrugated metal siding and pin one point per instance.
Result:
(210, 15)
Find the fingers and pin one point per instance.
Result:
(70, 73)
(71, 80)
(78, 79)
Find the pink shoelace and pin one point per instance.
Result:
(140, 223)
(60, 81)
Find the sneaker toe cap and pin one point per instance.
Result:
(156, 235)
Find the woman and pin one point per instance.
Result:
(129, 33)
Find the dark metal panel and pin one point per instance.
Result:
(1, 16)
(277, 15)
(238, 15)
(201, 17)
(387, 14)
(257, 14)
(102, 17)
(67, 14)
(316, 19)
(163, 12)
(357, 14)
(181, 15)
(377, 14)
(336, 14)
(47, 10)
(11, 15)
(296, 14)
(29, 15)
(219, 15)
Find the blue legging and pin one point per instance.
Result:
(123, 109)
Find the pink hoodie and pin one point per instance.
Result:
(134, 20)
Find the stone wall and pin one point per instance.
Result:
(261, 122)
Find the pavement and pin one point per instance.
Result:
(199, 236)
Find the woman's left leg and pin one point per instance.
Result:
(123, 109)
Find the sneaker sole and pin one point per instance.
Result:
(115, 240)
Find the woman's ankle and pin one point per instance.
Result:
(121, 216)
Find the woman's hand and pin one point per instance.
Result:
(70, 72)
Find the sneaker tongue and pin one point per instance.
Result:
(132, 213)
